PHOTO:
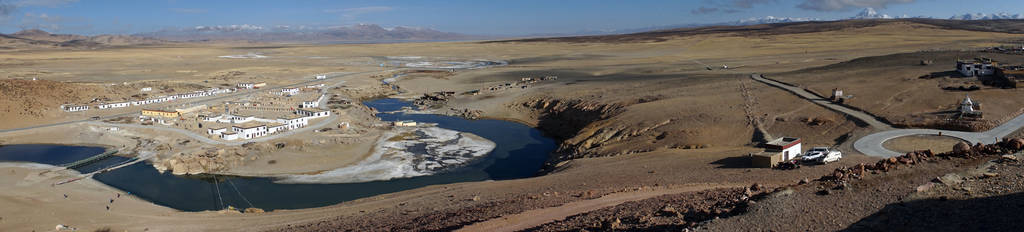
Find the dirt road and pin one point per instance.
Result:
(864, 117)
(532, 218)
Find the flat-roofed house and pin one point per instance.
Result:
(229, 135)
(289, 91)
(775, 151)
(294, 121)
(161, 113)
(216, 131)
(276, 127)
(976, 68)
(114, 105)
(245, 85)
(74, 108)
(313, 113)
(249, 131)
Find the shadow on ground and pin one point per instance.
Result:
(733, 162)
(998, 213)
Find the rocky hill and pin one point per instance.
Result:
(360, 32)
(1002, 25)
(35, 38)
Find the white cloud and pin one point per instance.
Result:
(841, 5)
(352, 13)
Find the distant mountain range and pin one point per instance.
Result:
(980, 16)
(371, 32)
(361, 32)
(40, 38)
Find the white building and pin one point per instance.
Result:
(146, 89)
(321, 77)
(310, 104)
(245, 85)
(314, 103)
(229, 135)
(289, 91)
(405, 123)
(250, 131)
(114, 105)
(978, 67)
(294, 122)
(216, 131)
(74, 108)
(237, 118)
(276, 127)
(788, 146)
(312, 113)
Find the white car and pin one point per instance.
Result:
(822, 155)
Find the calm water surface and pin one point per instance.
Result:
(520, 152)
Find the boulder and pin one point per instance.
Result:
(951, 179)
(961, 147)
(1016, 144)
(669, 211)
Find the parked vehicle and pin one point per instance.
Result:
(822, 155)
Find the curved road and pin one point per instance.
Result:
(864, 117)
(872, 144)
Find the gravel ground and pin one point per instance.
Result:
(665, 213)
(909, 199)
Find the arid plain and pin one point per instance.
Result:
(652, 118)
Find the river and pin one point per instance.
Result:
(519, 153)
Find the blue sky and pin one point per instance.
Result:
(518, 17)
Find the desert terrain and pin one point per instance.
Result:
(653, 129)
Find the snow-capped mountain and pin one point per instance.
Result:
(770, 19)
(980, 16)
(870, 13)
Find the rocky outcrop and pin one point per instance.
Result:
(565, 120)
(961, 150)
(208, 161)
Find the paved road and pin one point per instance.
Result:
(864, 117)
(873, 144)
(196, 101)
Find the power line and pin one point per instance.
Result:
(217, 187)
(240, 193)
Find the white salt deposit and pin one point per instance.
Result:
(246, 56)
(435, 150)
